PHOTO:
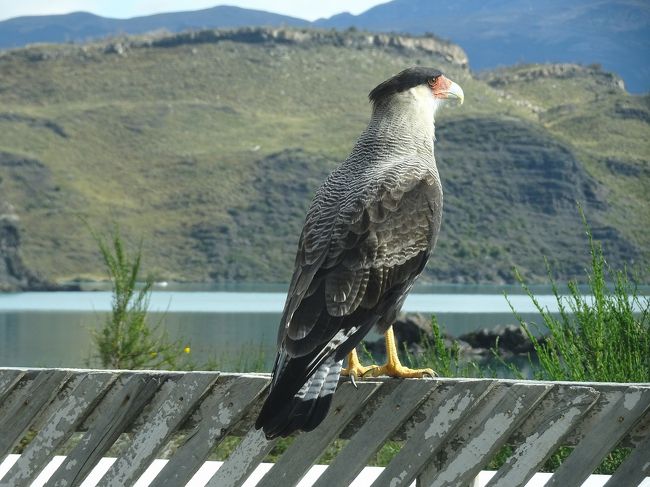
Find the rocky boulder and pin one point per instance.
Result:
(412, 329)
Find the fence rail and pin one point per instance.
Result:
(446, 430)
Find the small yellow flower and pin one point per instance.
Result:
(187, 349)
(154, 354)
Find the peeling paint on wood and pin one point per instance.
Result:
(613, 422)
(224, 406)
(66, 415)
(448, 428)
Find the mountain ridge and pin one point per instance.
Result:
(614, 33)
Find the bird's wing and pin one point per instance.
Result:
(358, 256)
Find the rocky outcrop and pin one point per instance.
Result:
(500, 78)
(427, 44)
(14, 274)
(351, 38)
(411, 330)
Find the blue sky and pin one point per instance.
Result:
(305, 9)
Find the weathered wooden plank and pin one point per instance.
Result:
(406, 397)
(67, 414)
(610, 394)
(635, 467)
(482, 435)
(449, 404)
(16, 394)
(243, 460)
(639, 433)
(554, 417)
(308, 447)
(176, 407)
(614, 422)
(17, 420)
(225, 405)
(126, 399)
(8, 380)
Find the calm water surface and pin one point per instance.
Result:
(230, 330)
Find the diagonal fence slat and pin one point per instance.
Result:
(119, 407)
(634, 468)
(147, 441)
(479, 438)
(553, 418)
(451, 404)
(613, 422)
(243, 460)
(68, 412)
(225, 405)
(394, 410)
(27, 405)
(8, 380)
(308, 447)
(15, 389)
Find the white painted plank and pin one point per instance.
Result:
(365, 478)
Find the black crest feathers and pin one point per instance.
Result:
(403, 81)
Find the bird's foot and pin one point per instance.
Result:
(393, 366)
(398, 370)
(354, 369)
(358, 370)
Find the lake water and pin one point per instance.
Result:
(229, 329)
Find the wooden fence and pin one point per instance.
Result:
(446, 430)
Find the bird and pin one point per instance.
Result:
(367, 236)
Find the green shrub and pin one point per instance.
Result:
(603, 336)
(127, 340)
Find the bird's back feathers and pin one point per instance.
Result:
(353, 277)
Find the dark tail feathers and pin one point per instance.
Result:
(286, 410)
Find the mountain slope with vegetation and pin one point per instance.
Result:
(209, 145)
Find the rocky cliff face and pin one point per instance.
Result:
(14, 275)
(500, 78)
(428, 44)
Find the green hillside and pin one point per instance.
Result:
(209, 146)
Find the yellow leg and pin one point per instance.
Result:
(393, 367)
(354, 368)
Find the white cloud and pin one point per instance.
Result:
(310, 10)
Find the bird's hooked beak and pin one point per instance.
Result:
(444, 88)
